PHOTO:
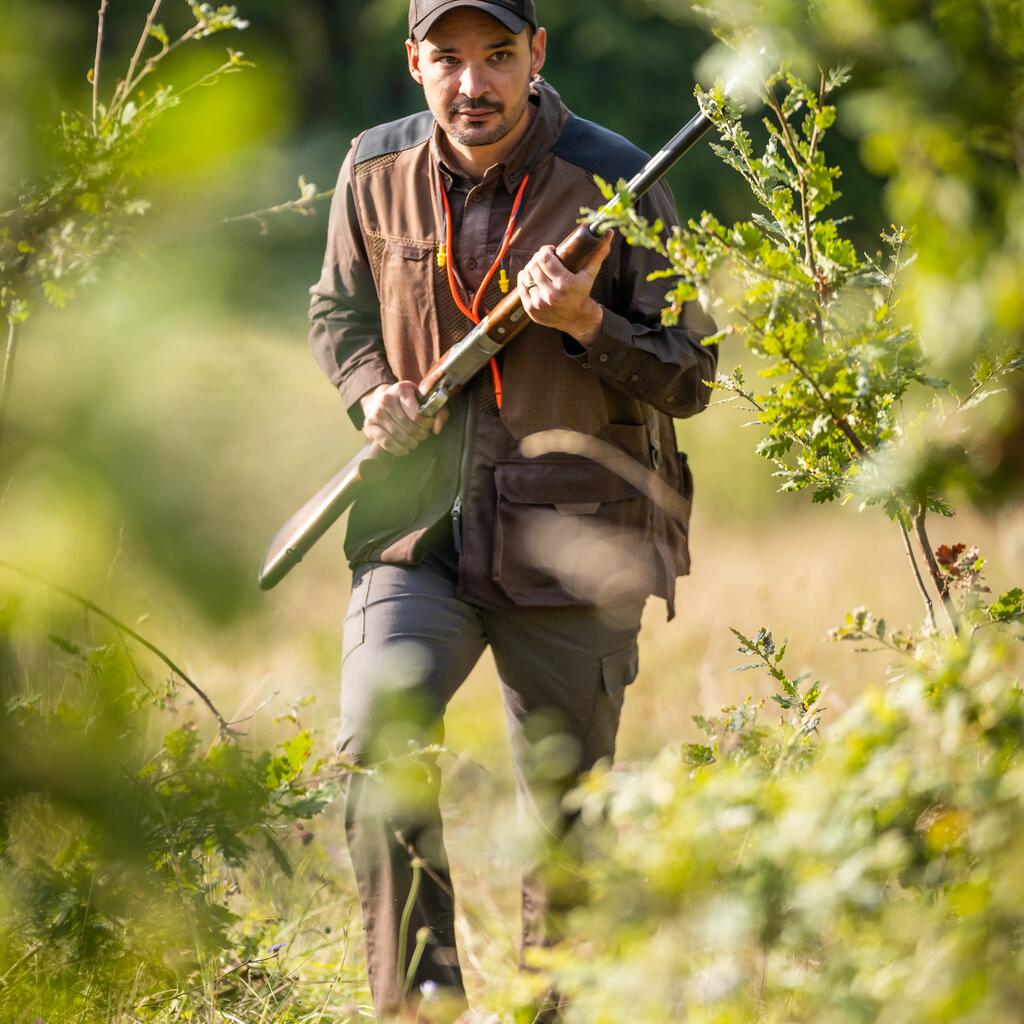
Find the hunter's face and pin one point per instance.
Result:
(476, 75)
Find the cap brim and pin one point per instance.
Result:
(511, 21)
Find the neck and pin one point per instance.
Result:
(474, 161)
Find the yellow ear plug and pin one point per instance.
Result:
(442, 255)
(503, 282)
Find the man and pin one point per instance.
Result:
(547, 558)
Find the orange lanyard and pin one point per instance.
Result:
(445, 254)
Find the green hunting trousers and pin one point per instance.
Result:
(409, 643)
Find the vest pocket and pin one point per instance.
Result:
(569, 531)
(408, 309)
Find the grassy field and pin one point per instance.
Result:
(157, 452)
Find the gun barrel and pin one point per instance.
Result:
(313, 520)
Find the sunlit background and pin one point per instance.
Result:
(166, 422)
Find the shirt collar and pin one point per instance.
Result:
(540, 137)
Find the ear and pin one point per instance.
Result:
(412, 54)
(538, 51)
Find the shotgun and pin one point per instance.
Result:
(451, 374)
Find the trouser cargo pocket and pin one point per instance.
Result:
(620, 668)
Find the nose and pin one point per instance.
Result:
(473, 82)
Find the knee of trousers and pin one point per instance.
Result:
(390, 706)
(387, 726)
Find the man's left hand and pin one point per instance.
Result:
(555, 297)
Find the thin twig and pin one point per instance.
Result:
(259, 707)
(96, 61)
(933, 568)
(91, 606)
(17, 963)
(303, 205)
(7, 373)
(997, 371)
(897, 252)
(124, 87)
(928, 605)
(813, 145)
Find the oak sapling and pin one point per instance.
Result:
(838, 358)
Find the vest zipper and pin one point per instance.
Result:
(457, 523)
(459, 505)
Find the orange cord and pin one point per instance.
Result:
(473, 313)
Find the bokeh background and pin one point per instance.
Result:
(166, 423)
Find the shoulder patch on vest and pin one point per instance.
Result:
(395, 136)
(599, 150)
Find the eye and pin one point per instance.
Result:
(501, 56)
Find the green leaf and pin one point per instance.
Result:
(181, 744)
(277, 852)
(697, 754)
(1009, 607)
(56, 294)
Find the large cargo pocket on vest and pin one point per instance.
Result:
(569, 531)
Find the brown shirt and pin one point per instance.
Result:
(381, 311)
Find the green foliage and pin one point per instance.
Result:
(793, 290)
(938, 115)
(767, 873)
(55, 231)
(120, 847)
(736, 734)
(874, 876)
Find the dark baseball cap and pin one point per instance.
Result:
(515, 15)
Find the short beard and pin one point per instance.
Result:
(479, 137)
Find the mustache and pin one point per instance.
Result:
(458, 108)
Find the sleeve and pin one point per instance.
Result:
(344, 311)
(635, 353)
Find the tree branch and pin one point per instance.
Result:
(928, 605)
(303, 205)
(847, 431)
(96, 60)
(933, 569)
(124, 87)
(222, 722)
(7, 373)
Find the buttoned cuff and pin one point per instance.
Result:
(359, 381)
(611, 353)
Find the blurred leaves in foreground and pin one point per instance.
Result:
(875, 875)
(122, 823)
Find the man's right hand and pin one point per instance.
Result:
(392, 419)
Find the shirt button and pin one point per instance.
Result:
(603, 357)
(471, 263)
(635, 377)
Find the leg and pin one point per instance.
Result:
(563, 671)
(409, 644)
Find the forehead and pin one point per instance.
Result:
(466, 27)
